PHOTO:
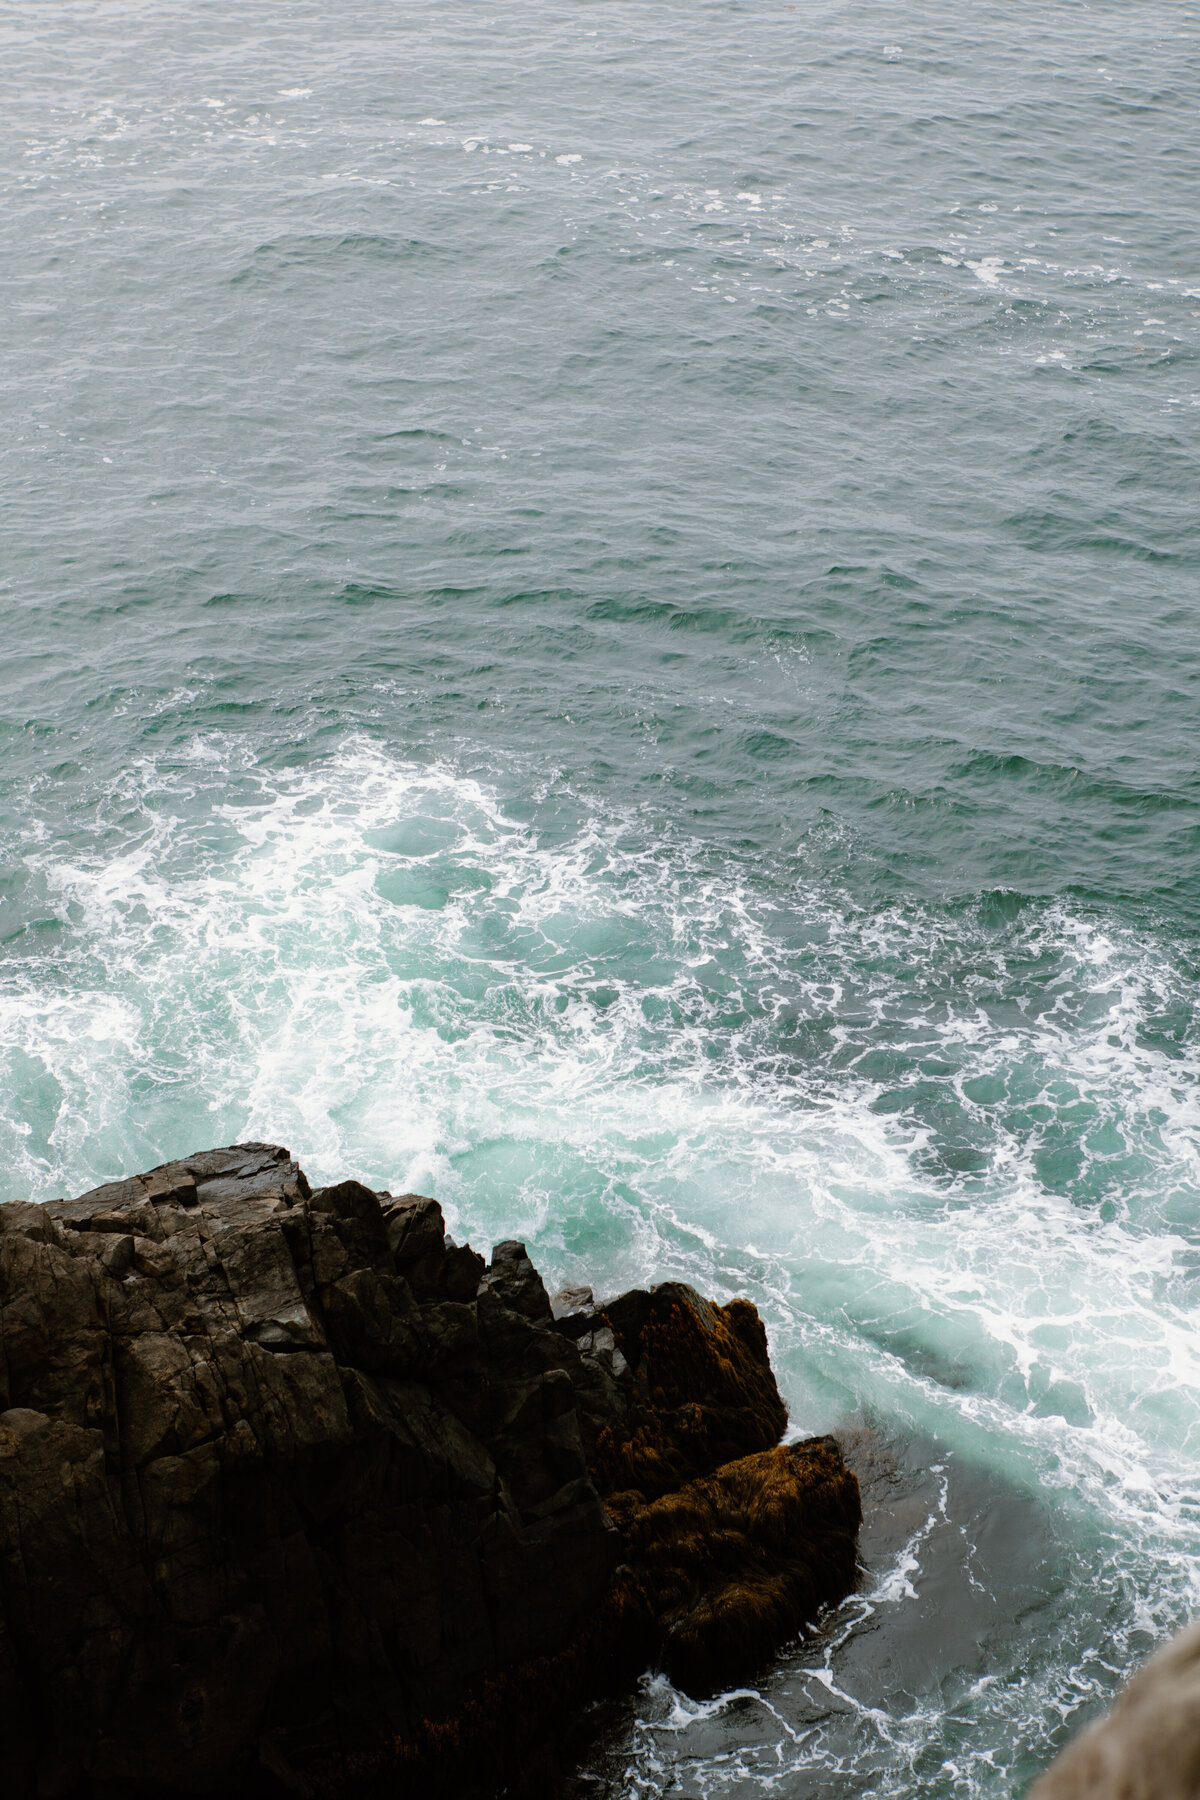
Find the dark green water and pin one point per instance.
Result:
(601, 619)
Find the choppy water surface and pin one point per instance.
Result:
(601, 619)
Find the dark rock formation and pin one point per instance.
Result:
(727, 1567)
(700, 1392)
(295, 1494)
(1148, 1746)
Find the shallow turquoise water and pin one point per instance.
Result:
(601, 619)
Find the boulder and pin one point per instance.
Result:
(1148, 1746)
(298, 1495)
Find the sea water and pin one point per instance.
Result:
(600, 620)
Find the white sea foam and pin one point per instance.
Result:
(576, 1033)
(988, 269)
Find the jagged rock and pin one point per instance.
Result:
(295, 1492)
(701, 1393)
(571, 1304)
(1148, 1746)
(727, 1568)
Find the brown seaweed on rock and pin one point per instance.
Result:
(700, 1392)
(729, 1567)
(731, 1540)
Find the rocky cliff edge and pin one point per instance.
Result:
(297, 1495)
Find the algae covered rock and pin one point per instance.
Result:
(732, 1541)
(298, 1495)
(728, 1567)
(698, 1391)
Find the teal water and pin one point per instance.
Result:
(601, 620)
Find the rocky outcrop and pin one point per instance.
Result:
(723, 1571)
(1148, 1746)
(298, 1495)
(700, 1392)
(730, 1538)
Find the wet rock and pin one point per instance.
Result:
(731, 1565)
(700, 1392)
(297, 1493)
(574, 1310)
(1148, 1746)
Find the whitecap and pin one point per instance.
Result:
(988, 270)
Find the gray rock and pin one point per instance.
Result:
(1148, 1746)
(572, 1302)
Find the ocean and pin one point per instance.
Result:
(601, 620)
